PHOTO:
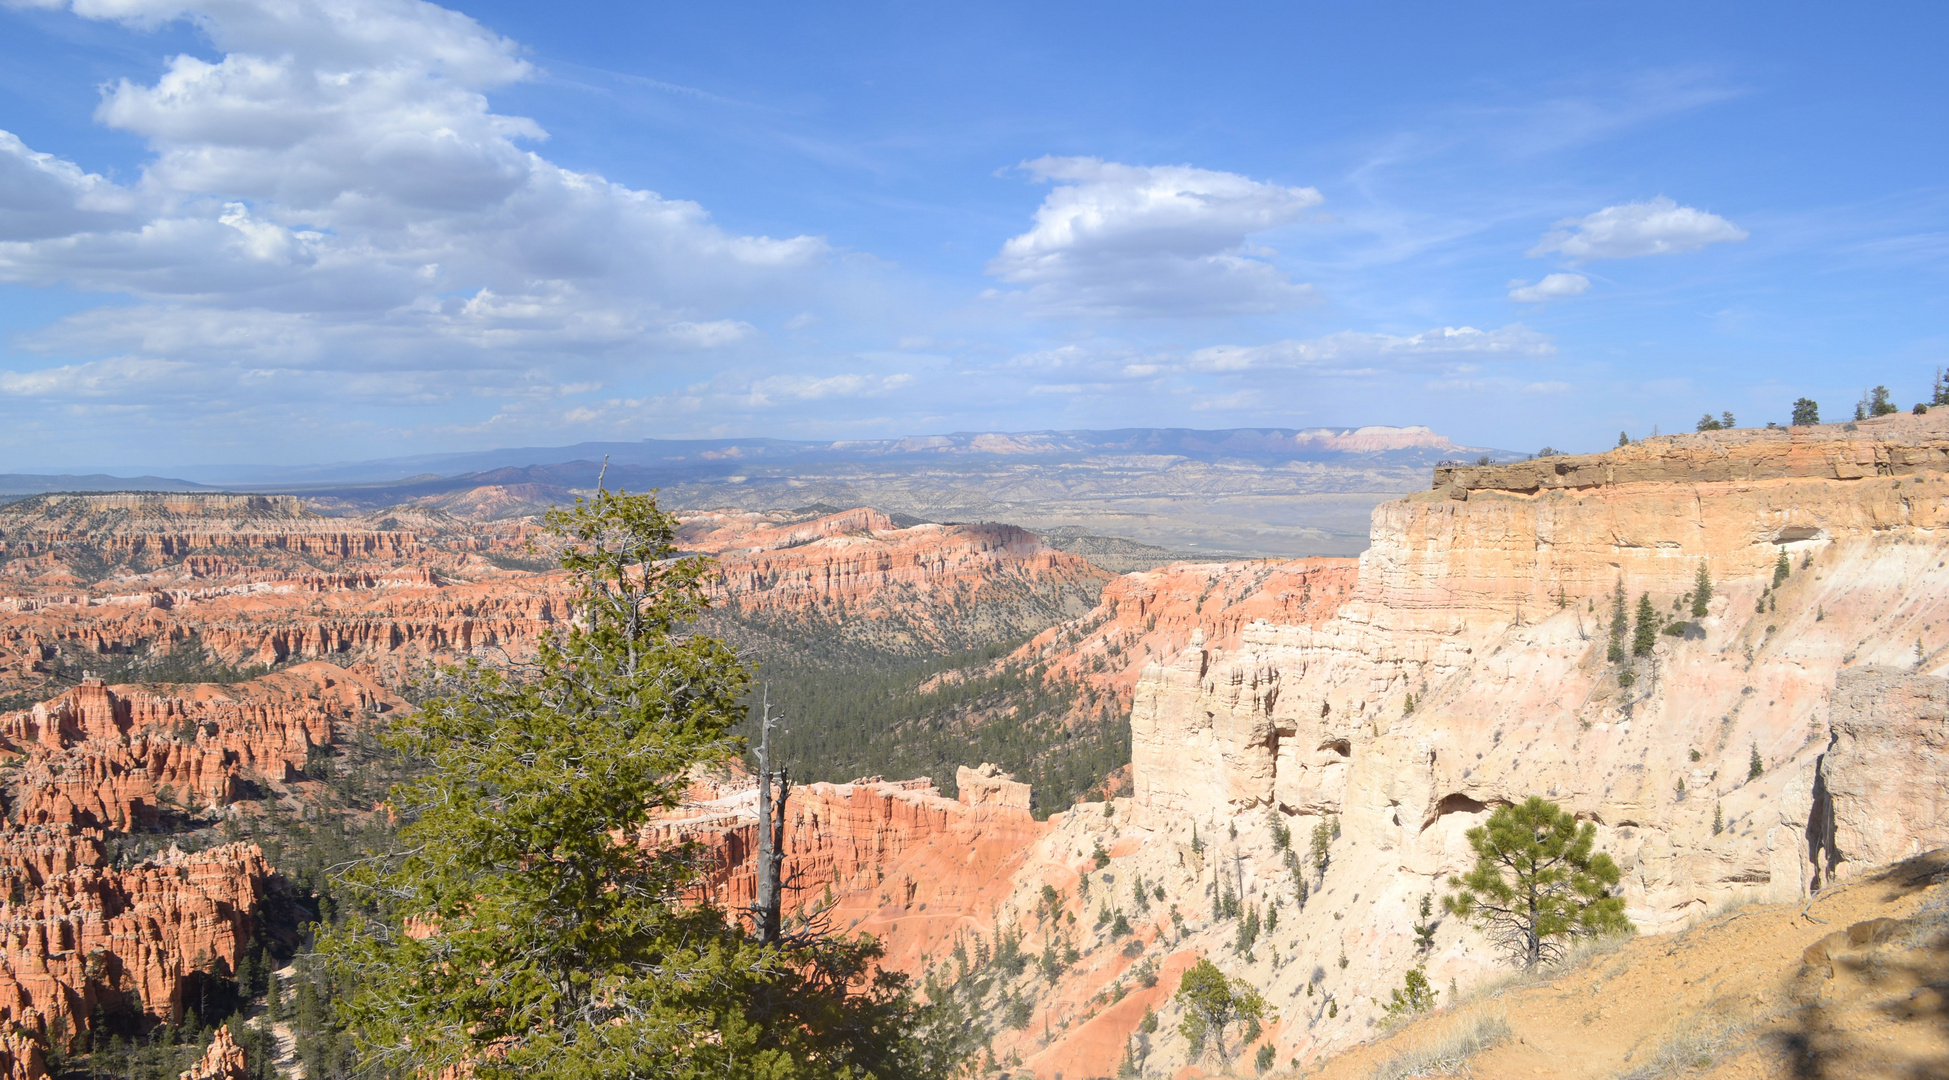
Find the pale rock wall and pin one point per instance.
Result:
(1488, 600)
(990, 786)
(1885, 776)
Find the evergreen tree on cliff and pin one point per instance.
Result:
(527, 933)
(1644, 637)
(1536, 882)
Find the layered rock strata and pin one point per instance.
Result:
(1301, 784)
(857, 579)
(894, 859)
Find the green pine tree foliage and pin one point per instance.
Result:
(1781, 569)
(1806, 412)
(1701, 591)
(521, 931)
(1615, 654)
(1412, 997)
(1537, 882)
(1645, 635)
(1213, 1003)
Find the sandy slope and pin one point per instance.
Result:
(1853, 984)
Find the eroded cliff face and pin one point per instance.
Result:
(892, 859)
(1492, 611)
(1785, 740)
(857, 580)
(1149, 615)
(84, 937)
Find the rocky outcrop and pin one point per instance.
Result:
(114, 758)
(224, 1060)
(98, 938)
(1149, 615)
(1324, 758)
(896, 860)
(1882, 787)
(856, 580)
(990, 786)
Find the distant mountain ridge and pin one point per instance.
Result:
(1204, 493)
(1249, 443)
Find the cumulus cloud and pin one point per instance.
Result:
(1351, 352)
(1129, 241)
(336, 189)
(1552, 287)
(1657, 227)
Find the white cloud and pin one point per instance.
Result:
(94, 379)
(1130, 241)
(1351, 352)
(777, 389)
(335, 189)
(43, 196)
(1552, 287)
(1657, 227)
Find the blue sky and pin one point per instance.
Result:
(245, 230)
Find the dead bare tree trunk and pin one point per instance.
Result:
(771, 834)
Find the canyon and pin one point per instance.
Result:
(1309, 740)
(1783, 743)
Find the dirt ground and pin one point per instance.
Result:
(1852, 985)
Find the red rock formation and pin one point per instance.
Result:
(224, 1060)
(857, 576)
(112, 758)
(1151, 614)
(896, 860)
(110, 938)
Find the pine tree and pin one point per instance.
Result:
(1212, 1003)
(1645, 636)
(1754, 766)
(555, 949)
(1623, 439)
(1781, 569)
(1615, 654)
(1536, 880)
(1701, 591)
(1806, 412)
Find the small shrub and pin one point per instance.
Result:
(1264, 1058)
(1413, 997)
(1754, 766)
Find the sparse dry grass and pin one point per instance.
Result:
(1447, 1052)
(1689, 1049)
(1581, 953)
